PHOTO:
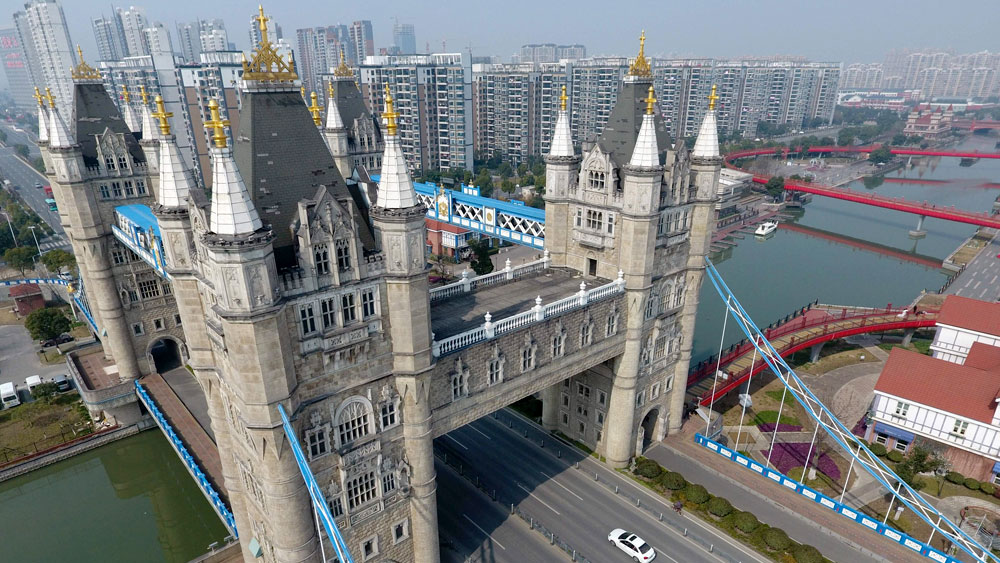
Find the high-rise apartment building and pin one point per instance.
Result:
(189, 41)
(110, 38)
(861, 75)
(933, 74)
(550, 53)
(433, 96)
(319, 52)
(594, 91)
(404, 38)
(362, 41)
(42, 25)
(134, 25)
(505, 105)
(202, 36)
(215, 76)
(15, 67)
(273, 30)
(157, 39)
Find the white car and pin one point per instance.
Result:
(632, 545)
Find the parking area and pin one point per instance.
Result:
(19, 358)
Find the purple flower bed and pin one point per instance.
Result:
(769, 427)
(788, 456)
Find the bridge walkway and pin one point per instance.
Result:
(815, 326)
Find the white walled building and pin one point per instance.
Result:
(962, 322)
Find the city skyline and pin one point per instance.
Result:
(735, 29)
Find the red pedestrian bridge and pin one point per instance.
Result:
(807, 328)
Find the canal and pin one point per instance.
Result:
(772, 277)
(131, 500)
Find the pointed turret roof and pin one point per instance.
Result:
(707, 143)
(43, 119)
(395, 188)
(176, 180)
(562, 138)
(333, 118)
(148, 124)
(128, 111)
(59, 135)
(647, 152)
(233, 213)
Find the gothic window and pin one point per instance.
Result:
(459, 381)
(354, 421)
(167, 288)
(611, 223)
(595, 220)
(660, 347)
(118, 256)
(343, 255)
(579, 217)
(122, 162)
(685, 224)
(389, 417)
(388, 483)
(361, 490)
(612, 327)
(307, 318)
(496, 371)
(528, 354)
(367, 303)
(668, 383)
(149, 289)
(583, 391)
(595, 180)
(565, 400)
(137, 329)
(602, 398)
(116, 189)
(654, 391)
(129, 189)
(109, 162)
(140, 187)
(400, 531)
(651, 306)
(347, 304)
(317, 440)
(586, 334)
(328, 311)
(369, 548)
(322, 257)
(337, 507)
(679, 296)
(640, 399)
(105, 192)
(558, 345)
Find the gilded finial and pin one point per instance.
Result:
(217, 124)
(161, 114)
(84, 71)
(342, 69)
(711, 99)
(262, 21)
(143, 95)
(640, 66)
(315, 109)
(389, 115)
(563, 98)
(39, 97)
(650, 101)
(50, 97)
(125, 95)
(302, 91)
(266, 64)
(329, 91)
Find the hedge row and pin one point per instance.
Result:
(741, 525)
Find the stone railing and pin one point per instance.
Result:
(489, 329)
(508, 274)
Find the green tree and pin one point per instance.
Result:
(481, 264)
(775, 186)
(505, 169)
(39, 164)
(21, 150)
(20, 257)
(44, 391)
(46, 323)
(920, 460)
(880, 155)
(845, 137)
(56, 259)
(898, 140)
(507, 186)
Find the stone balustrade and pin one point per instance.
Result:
(508, 274)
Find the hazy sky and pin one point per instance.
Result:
(846, 30)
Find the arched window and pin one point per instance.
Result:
(354, 421)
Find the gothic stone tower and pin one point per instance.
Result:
(351, 132)
(96, 165)
(637, 204)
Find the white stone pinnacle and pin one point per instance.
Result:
(562, 138)
(646, 153)
(707, 143)
(333, 118)
(131, 119)
(176, 181)
(395, 188)
(59, 135)
(43, 126)
(150, 130)
(233, 212)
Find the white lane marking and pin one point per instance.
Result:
(553, 480)
(487, 436)
(484, 531)
(538, 499)
(992, 281)
(456, 441)
(662, 553)
(977, 285)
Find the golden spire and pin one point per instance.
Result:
(39, 97)
(389, 115)
(217, 124)
(711, 99)
(562, 99)
(162, 116)
(342, 69)
(144, 95)
(640, 66)
(266, 64)
(84, 71)
(125, 95)
(329, 91)
(302, 90)
(650, 101)
(315, 108)
(50, 97)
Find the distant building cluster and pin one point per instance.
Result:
(931, 74)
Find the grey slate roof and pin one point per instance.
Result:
(618, 137)
(94, 112)
(283, 159)
(352, 107)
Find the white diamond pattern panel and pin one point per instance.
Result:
(520, 224)
(466, 211)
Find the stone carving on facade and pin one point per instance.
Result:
(257, 291)
(177, 246)
(395, 253)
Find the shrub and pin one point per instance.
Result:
(696, 494)
(955, 477)
(647, 468)
(746, 522)
(987, 488)
(807, 554)
(971, 484)
(894, 456)
(720, 507)
(673, 480)
(777, 539)
(877, 449)
(996, 492)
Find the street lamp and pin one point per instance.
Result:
(32, 227)
(12, 235)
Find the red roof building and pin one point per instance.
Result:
(445, 239)
(961, 323)
(27, 298)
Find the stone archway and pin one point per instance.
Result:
(165, 354)
(648, 430)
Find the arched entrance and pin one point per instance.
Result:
(647, 430)
(165, 355)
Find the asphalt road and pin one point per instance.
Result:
(980, 278)
(25, 177)
(566, 500)
(20, 138)
(18, 359)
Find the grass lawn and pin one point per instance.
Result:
(835, 354)
(922, 346)
(7, 317)
(908, 522)
(764, 417)
(777, 394)
(952, 490)
(40, 425)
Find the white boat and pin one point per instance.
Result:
(766, 228)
